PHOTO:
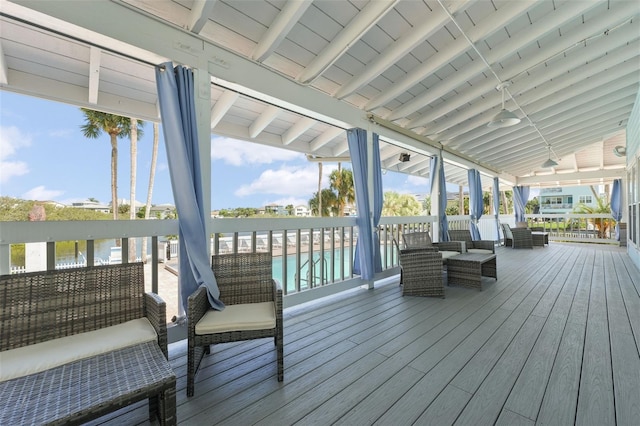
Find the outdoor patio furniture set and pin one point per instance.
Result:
(421, 262)
(523, 237)
(79, 343)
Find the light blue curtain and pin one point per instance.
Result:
(476, 203)
(177, 109)
(437, 166)
(367, 257)
(496, 205)
(616, 205)
(520, 198)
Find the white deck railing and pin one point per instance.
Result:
(309, 253)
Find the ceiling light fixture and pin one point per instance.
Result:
(404, 157)
(549, 163)
(504, 118)
(620, 151)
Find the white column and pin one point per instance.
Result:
(435, 199)
(370, 187)
(202, 80)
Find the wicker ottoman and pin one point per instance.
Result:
(540, 239)
(468, 269)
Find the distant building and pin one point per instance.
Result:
(302, 211)
(275, 209)
(92, 205)
(561, 200)
(162, 211)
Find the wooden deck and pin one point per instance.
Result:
(553, 341)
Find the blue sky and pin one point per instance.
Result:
(44, 156)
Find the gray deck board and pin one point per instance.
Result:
(553, 341)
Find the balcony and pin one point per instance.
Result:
(551, 341)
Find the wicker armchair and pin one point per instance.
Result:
(421, 272)
(422, 239)
(253, 310)
(478, 246)
(517, 237)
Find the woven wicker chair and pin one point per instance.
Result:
(517, 237)
(478, 246)
(253, 310)
(421, 272)
(422, 239)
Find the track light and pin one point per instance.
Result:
(504, 118)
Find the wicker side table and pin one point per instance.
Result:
(421, 272)
(468, 269)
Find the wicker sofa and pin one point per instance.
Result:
(79, 343)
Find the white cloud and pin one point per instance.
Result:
(61, 133)
(41, 193)
(289, 200)
(9, 169)
(290, 181)
(241, 153)
(420, 181)
(11, 140)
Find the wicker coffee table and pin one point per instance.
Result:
(467, 269)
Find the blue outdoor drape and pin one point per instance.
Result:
(476, 203)
(616, 205)
(520, 198)
(177, 109)
(496, 205)
(437, 166)
(367, 257)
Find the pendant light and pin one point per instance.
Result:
(504, 118)
(549, 163)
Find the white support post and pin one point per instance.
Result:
(435, 199)
(202, 80)
(371, 189)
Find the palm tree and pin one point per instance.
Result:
(116, 127)
(341, 181)
(601, 225)
(327, 200)
(152, 175)
(396, 204)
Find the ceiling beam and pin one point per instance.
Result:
(327, 136)
(396, 50)
(598, 174)
(199, 15)
(279, 28)
(94, 74)
(564, 99)
(301, 126)
(359, 25)
(4, 70)
(618, 61)
(499, 53)
(489, 25)
(268, 115)
(222, 106)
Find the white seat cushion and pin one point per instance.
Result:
(241, 317)
(43, 356)
(480, 251)
(447, 254)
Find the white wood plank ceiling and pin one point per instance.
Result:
(425, 70)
